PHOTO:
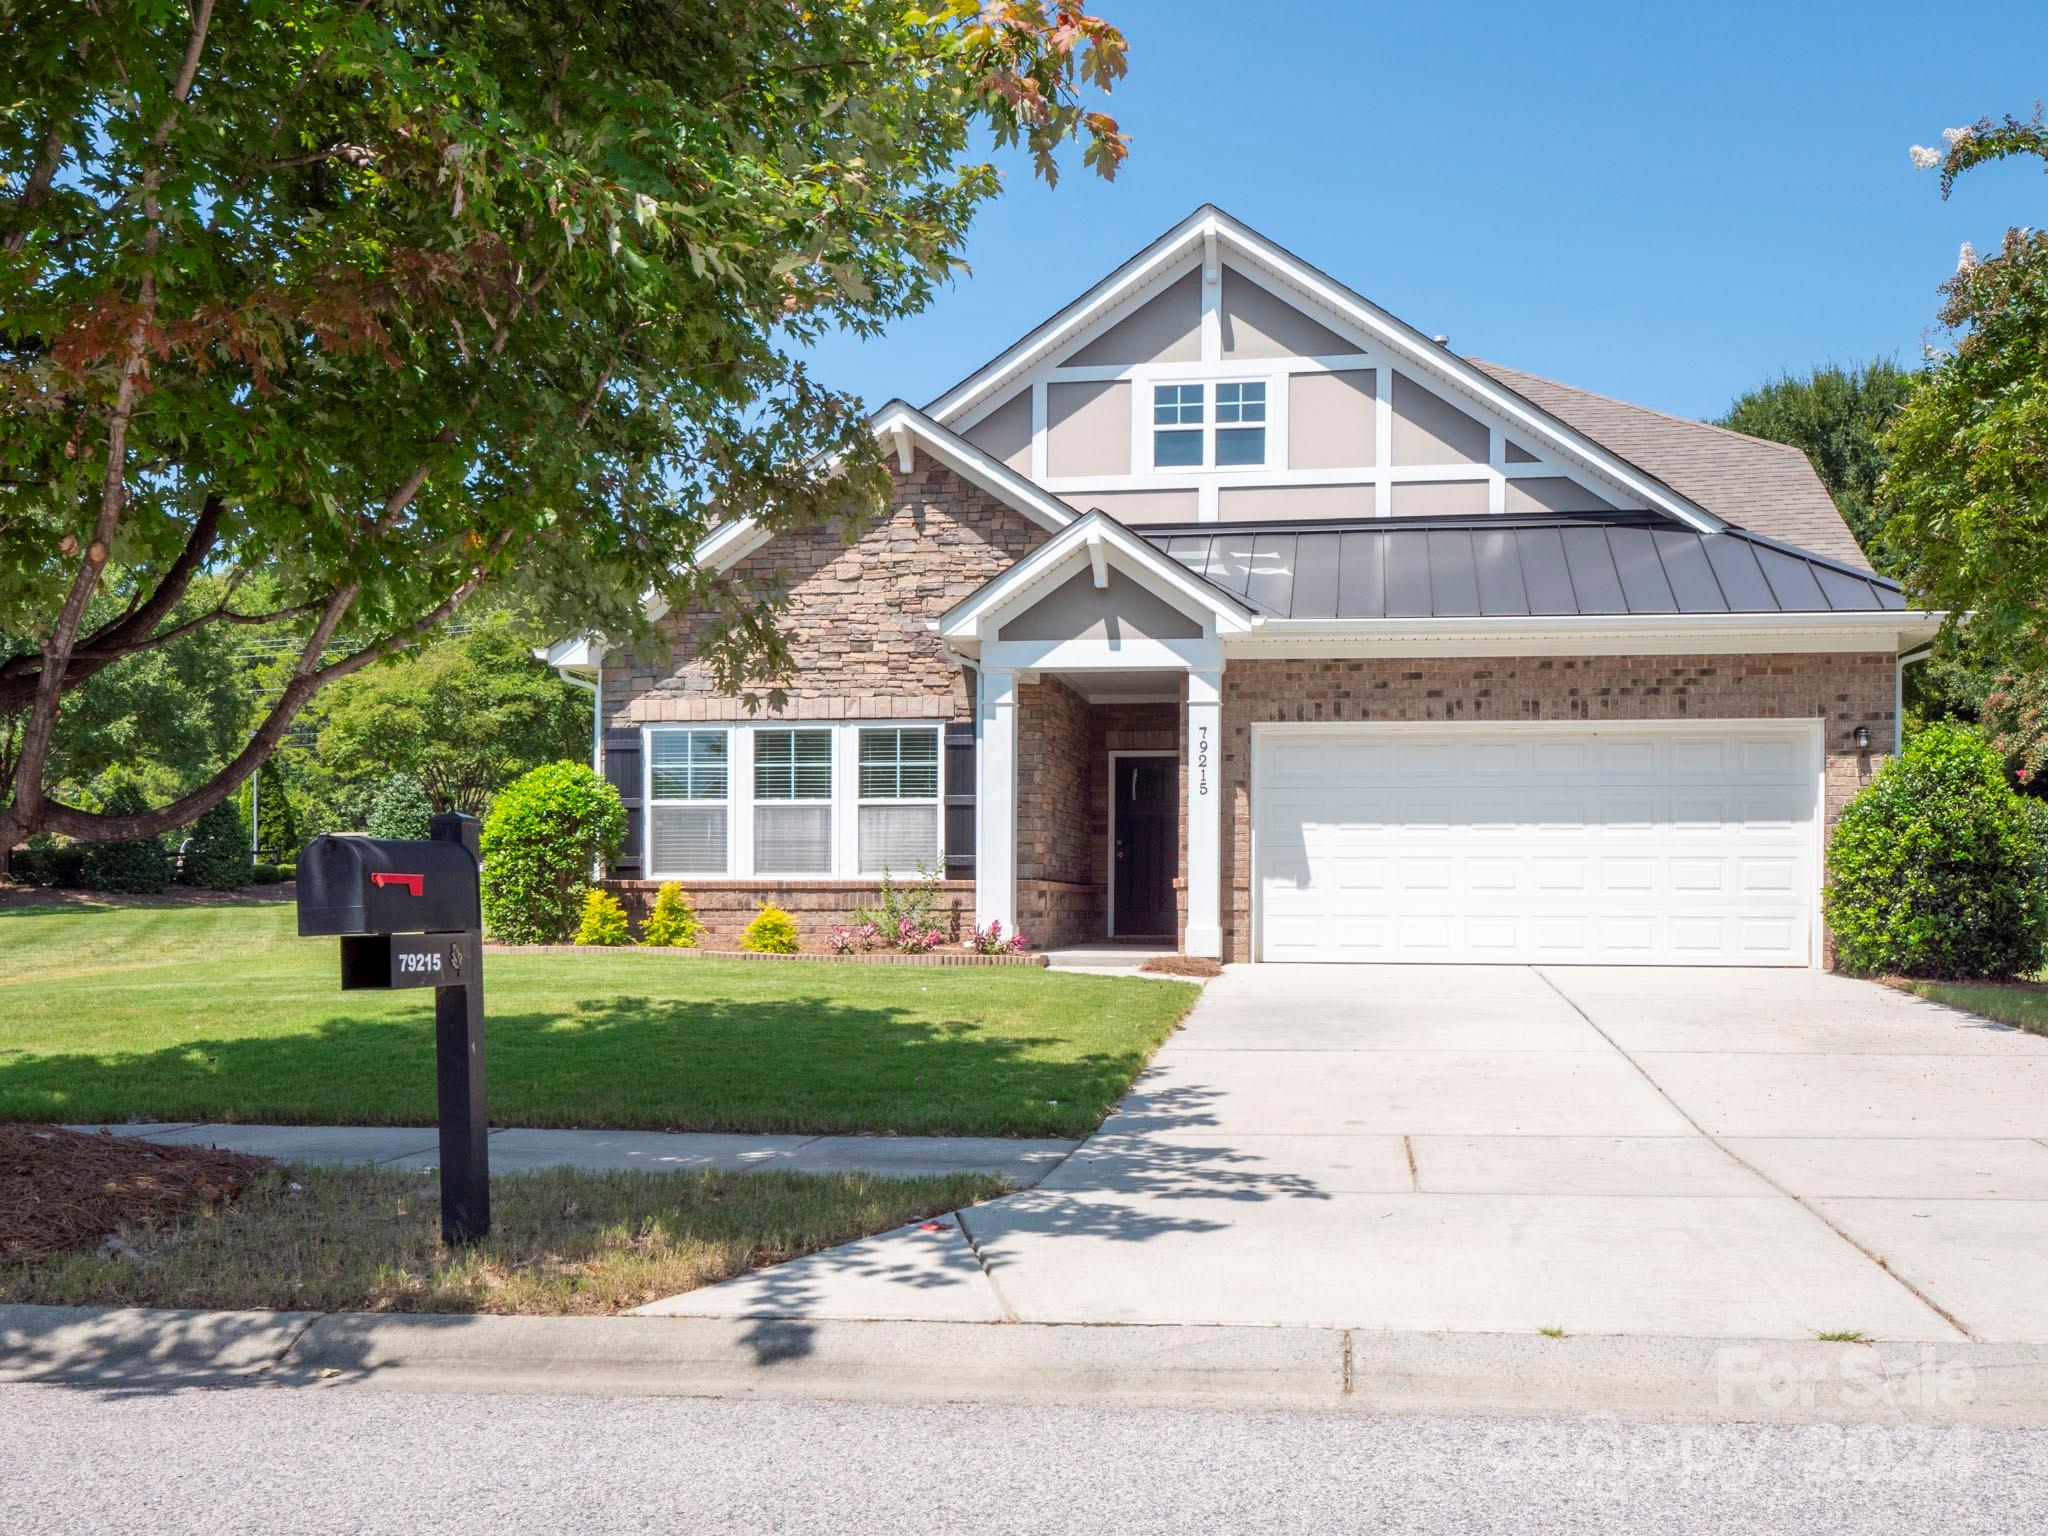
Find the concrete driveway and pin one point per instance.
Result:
(1754, 1154)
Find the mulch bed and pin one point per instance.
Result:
(868, 957)
(1198, 966)
(12, 895)
(61, 1190)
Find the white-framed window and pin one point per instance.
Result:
(793, 802)
(898, 798)
(1186, 435)
(689, 801)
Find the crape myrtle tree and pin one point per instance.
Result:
(356, 310)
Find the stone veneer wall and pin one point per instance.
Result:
(1844, 690)
(1058, 904)
(854, 615)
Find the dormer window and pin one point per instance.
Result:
(1185, 437)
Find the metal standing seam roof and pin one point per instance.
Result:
(1512, 568)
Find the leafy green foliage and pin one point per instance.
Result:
(603, 923)
(217, 853)
(365, 310)
(545, 834)
(909, 907)
(45, 861)
(463, 717)
(400, 808)
(262, 873)
(1967, 487)
(1838, 416)
(772, 932)
(673, 923)
(139, 866)
(1937, 867)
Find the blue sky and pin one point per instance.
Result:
(1665, 203)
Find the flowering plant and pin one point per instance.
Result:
(990, 941)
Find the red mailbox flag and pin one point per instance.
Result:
(415, 885)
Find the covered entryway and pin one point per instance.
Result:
(1692, 843)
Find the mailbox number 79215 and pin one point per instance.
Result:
(429, 961)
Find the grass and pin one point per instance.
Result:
(223, 1013)
(1843, 1336)
(2020, 1003)
(368, 1239)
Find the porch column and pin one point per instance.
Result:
(995, 800)
(1205, 815)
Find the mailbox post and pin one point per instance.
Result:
(409, 914)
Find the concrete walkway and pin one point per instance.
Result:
(1022, 1162)
(1703, 1153)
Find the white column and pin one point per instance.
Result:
(995, 801)
(1205, 815)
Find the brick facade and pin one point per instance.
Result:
(1844, 690)
(854, 614)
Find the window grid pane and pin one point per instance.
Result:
(899, 764)
(793, 765)
(1177, 449)
(897, 838)
(688, 839)
(1240, 445)
(793, 839)
(687, 765)
(1240, 402)
(1176, 405)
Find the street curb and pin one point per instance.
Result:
(1326, 1369)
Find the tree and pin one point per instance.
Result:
(1838, 416)
(364, 310)
(1967, 489)
(545, 835)
(463, 716)
(400, 809)
(217, 854)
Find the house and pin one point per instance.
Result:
(1227, 610)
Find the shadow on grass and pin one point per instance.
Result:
(809, 1065)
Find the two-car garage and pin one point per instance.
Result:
(1654, 843)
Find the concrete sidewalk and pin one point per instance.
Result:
(513, 1150)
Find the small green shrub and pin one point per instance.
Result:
(141, 867)
(604, 921)
(287, 871)
(400, 808)
(261, 873)
(217, 851)
(906, 908)
(772, 932)
(673, 922)
(45, 861)
(545, 834)
(1937, 867)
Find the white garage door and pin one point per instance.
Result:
(1622, 845)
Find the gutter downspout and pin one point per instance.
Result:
(596, 686)
(1906, 659)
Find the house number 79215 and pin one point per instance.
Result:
(1201, 759)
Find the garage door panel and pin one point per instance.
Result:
(1646, 858)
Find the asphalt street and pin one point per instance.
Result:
(332, 1460)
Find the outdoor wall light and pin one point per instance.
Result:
(1862, 738)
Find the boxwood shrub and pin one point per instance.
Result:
(141, 867)
(545, 834)
(217, 852)
(1937, 867)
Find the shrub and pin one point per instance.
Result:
(857, 939)
(141, 867)
(673, 922)
(913, 903)
(993, 941)
(772, 932)
(45, 861)
(546, 832)
(287, 872)
(913, 940)
(261, 873)
(604, 921)
(400, 808)
(217, 852)
(1937, 867)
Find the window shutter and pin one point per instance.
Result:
(622, 753)
(960, 801)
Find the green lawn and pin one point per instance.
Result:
(2023, 1003)
(223, 1013)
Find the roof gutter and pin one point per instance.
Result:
(1593, 634)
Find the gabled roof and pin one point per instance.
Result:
(1103, 541)
(1769, 487)
(1209, 229)
(1534, 567)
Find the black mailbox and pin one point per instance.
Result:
(375, 885)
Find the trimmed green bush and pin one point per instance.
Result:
(288, 871)
(138, 868)
(604, 921)
(261, 873)
(545, 834)
(673, 922)
(400, 808)
(45, 861)
(217, 851)
(1939, 868)
(772, 932)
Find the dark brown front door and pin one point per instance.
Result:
(1145, 794)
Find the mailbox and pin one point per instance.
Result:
(353, 885)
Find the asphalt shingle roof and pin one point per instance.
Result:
(1770, 488)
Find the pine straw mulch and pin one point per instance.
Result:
(1197, 966)
(61, 1190)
